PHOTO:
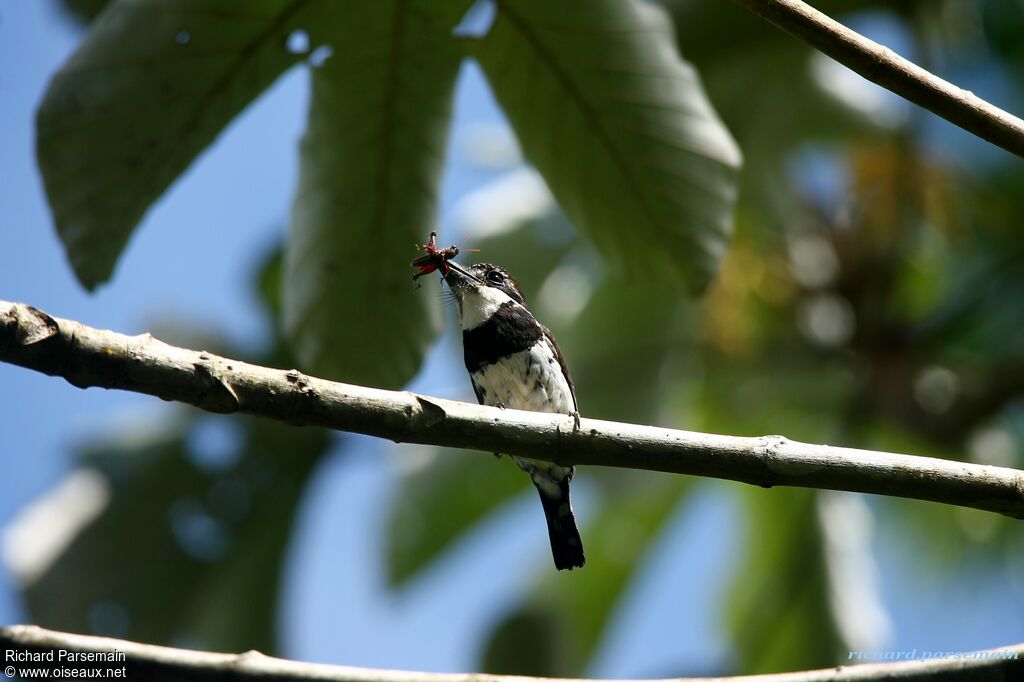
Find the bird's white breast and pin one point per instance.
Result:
(531, 379)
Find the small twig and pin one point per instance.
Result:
(881, 65)
(92, 357)
(157, 663)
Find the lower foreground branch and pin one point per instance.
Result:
(91, 357)
(157, 663)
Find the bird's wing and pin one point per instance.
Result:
(478, 390)
(565, 368)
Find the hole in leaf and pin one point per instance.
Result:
(477, 20)
(297, 42)
(320, 55)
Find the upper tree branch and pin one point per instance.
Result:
(92, 357)
(157, 663)
(881, 65)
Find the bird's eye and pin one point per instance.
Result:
(494, 277)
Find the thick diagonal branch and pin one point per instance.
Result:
(157, 663)
(93, 357)
(881, 65)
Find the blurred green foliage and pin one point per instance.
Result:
(869, 297)
(180, 552)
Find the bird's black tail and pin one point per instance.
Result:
(566, 545)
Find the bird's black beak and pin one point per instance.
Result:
(459, 277)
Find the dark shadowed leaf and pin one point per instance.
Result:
(149, 88)
(371, 164)
(576, 607)
(620, 128)
(778, 603)
(441, 500)
(527, 641)
(1004, 24)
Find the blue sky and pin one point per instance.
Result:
(234, 202)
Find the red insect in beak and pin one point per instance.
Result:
(434, 258)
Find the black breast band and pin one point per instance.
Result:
(509, 330)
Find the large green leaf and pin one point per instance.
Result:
(620, 128)
(574, 609)
(183, 553)
(778, 603)
(155, 81)
(371, 164)
(148, 89)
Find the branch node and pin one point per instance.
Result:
(33, 327)
(428, 415)
(769, 447)
(301, 382)
(220, 396)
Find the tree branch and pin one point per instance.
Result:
(157, 663)
(92, 357)
(881, 65)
